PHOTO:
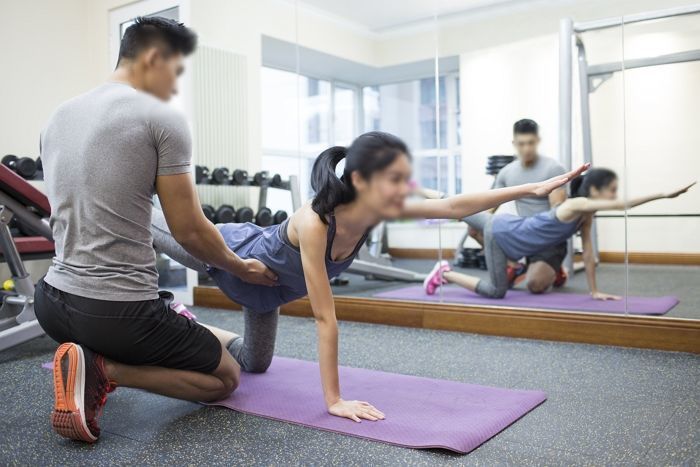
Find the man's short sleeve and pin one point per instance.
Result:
(172, 141)
(500, 181)
(555, 169)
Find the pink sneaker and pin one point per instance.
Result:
(181, 309)
(434, 279)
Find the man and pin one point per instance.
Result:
(544, 269)
(105, 153)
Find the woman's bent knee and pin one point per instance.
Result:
(259, 365)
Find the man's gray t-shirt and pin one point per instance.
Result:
(516, 173)
(101, 153)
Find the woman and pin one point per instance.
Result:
(508, 236)
(321, 239)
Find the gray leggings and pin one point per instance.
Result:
(254, 350)
(496, 261)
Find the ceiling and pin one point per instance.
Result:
(382, 15)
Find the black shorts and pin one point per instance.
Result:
(553, 256)
(134, 333)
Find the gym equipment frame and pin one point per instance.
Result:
(17, 319)
(569, 34)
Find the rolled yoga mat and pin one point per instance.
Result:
(551, 300)
(420, 412)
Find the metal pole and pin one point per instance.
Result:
(566, 31)
(565, 90)
(637, 18)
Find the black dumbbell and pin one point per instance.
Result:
(239, 177)
(209, 212)
(279, 217)
(39, 164)
(225, 214)
(220, 176)
(23, 166)
(260, 178)
(264, 217)
(201, 174)
(276, 181)
(244, 214)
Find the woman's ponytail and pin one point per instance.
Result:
(576, 184)
(330, 190)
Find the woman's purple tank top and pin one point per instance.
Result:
(271, 246)
(525, 236)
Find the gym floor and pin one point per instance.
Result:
(606, 405)
(644, 280)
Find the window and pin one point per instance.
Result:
(328, 113)
(408, 109)
(294, 133)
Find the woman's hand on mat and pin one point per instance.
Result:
(255, 272)
(355, 410)
(675, 194)
(546, 187)
(605, 296)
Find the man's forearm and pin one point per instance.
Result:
(207, 244)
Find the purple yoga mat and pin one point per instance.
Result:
(420, 412)
(552, 300)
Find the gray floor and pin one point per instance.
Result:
(606, 406)
(644, 280)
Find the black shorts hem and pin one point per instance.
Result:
(134, 333)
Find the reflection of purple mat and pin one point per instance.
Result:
(552, 300)
(420, 412)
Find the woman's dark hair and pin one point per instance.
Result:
(369, 153)
(598, 178)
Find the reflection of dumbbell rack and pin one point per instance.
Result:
(474, 257)
(223, 177)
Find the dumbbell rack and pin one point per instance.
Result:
(291, 185)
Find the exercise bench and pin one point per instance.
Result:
(19, 199)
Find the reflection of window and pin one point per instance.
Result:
(324, 116)
(328, 113)
(407, 109)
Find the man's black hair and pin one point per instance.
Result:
(526, 127)
(155, 30)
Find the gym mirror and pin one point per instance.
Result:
(661, 73)
(367, 78)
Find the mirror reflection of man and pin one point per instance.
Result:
(544, 270)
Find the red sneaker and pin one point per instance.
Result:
(515, 274)
(80, 387)
(560, 278)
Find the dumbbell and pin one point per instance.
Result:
(244, 214)
(23, 166)
(39, 164)
(220, 176)
(260, 178)
(201, 174)
(279, 217)
(276, 181)
(209, 212)
(225, 214)
(239, 177)
(264, 217)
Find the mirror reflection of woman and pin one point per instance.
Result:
(511, 237)
(321, 239)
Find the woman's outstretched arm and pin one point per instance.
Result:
(586, 205)
(312, 243)
(459, 206)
